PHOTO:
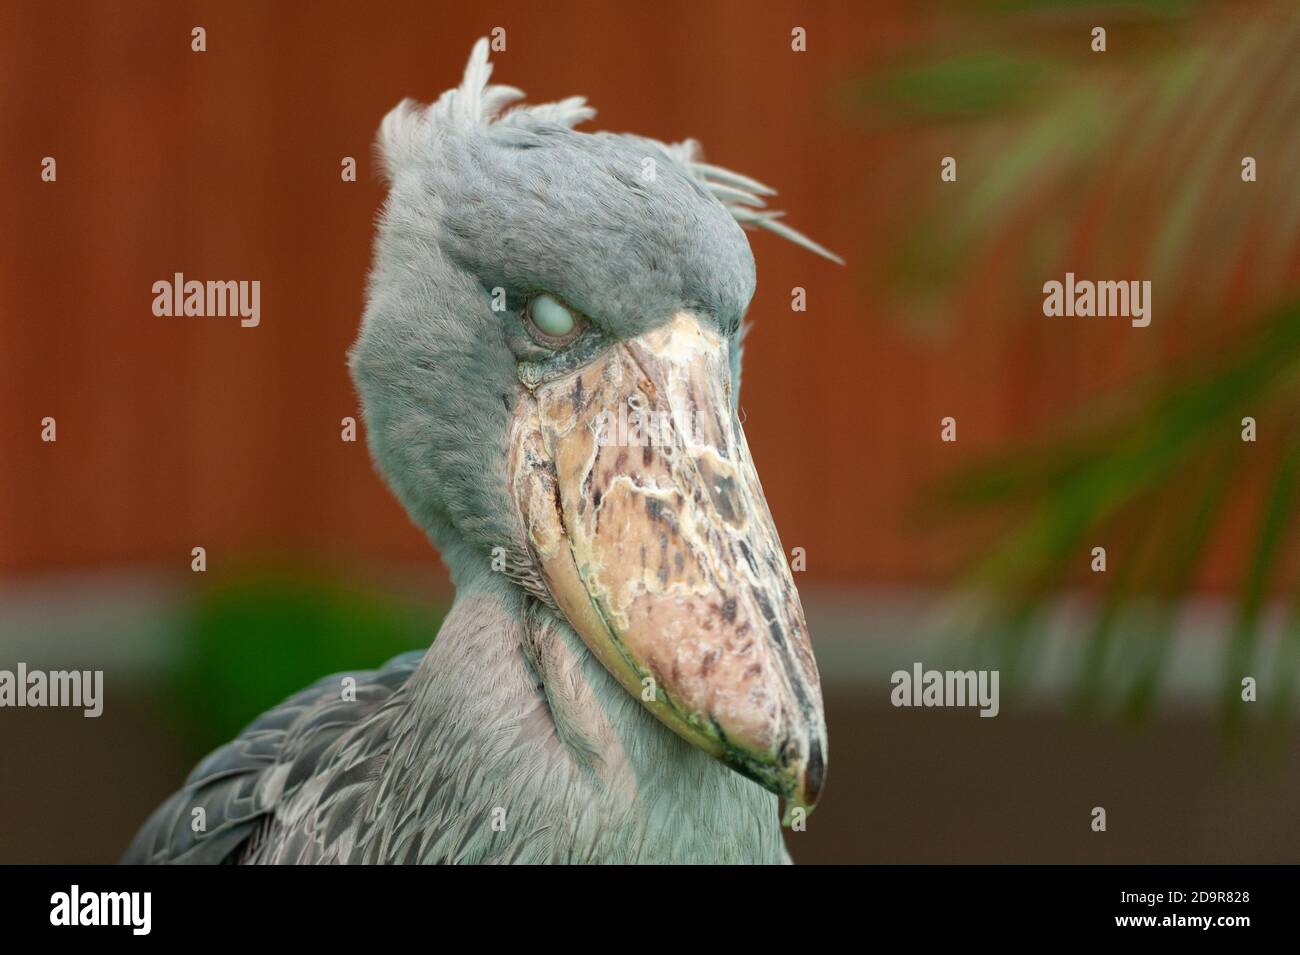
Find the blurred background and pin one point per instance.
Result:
(1119, 689)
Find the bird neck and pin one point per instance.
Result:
(510, 711)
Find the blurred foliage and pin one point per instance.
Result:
(1111, 7)
(966, 85)
(256, 639)
(1121, 165)
(1110, 160)
(1152, 481)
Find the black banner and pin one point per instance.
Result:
(212, 905)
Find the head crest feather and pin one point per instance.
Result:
(411, 130)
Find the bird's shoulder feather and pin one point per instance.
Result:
(239, 786)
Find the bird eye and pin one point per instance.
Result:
(551, 320)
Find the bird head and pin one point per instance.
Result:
(549, 367)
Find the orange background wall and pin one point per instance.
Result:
(225, 165)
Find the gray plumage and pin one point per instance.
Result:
(507, 741)
(574, 768)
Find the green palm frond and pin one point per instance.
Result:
(1112, 164)
(1125, 166)
(1151, 484)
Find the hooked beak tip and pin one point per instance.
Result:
(814, 774)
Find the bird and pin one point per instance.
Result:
(548, 366)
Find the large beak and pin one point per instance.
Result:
(648, 522)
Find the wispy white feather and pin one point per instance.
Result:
(729, 178)
(743, 197)
(770, 220)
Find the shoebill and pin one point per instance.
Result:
(549, 365)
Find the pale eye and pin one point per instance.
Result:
(549, 317)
